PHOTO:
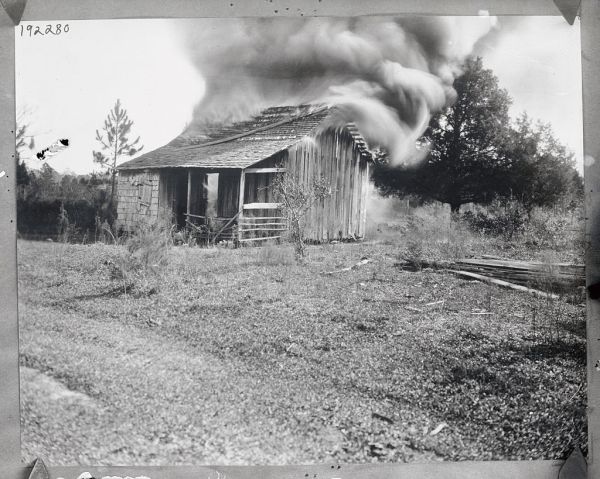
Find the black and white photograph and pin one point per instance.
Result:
(301, 240)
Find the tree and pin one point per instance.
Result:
(115, 142)
(296, 199)
(467, 161)
(476, 155)
(542, 170)
(46, 183)
(22, 141)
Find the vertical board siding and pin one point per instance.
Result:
(334, 156)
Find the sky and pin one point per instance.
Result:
(66, 84)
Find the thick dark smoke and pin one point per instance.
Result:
(386, 75)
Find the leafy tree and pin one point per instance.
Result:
(477, 156)
(467, 140)
(115, 142)
(542, 169)
(466, 161)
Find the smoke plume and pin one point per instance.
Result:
(387, 75)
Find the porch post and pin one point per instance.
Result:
(241, 202)
(189, 192)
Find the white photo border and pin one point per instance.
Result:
(50, 10)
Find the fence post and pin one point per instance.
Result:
(241, 202)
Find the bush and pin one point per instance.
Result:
(554, 229)
(141, 263)
(48, 218)
(434, 236)
(498, 219)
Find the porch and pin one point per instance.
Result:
(208, 203)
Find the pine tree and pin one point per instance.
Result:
(115, 142)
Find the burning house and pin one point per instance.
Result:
(385, 77)
(219, 184)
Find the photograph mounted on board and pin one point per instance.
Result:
(300, 240)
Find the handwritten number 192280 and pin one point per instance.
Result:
(32, 31)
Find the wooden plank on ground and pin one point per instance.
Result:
(504, 284)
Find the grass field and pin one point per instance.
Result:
(244, 356)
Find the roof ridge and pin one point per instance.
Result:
(255, 130)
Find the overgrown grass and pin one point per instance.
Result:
(245, 356)
(432, 234)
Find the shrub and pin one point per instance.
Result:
(296, 199)
(498, 219)
(140, 264)
(548, 228)
(52, 218)
(432, 235)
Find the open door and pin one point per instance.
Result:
(178, 187)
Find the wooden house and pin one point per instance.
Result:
(197, 181)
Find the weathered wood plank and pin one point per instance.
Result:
(364, 200)
(189, 191)
(252, 218)
(251, 223)
(259, 239)
(265, 170)
(246, 230)
(504, 284)
(261, 206)
(241, 195)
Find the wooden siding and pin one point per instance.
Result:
(137, 196)
(332, 155)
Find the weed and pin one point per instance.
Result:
(66, 229)
(498, 219)
(507, 230)
(428, 239)
(140, 264)
(554, 229)
(274, 255)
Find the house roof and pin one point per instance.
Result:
(242, 144)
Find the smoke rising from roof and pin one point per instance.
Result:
(386, 75)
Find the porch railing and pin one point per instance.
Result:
(261, 228)
(210, 229)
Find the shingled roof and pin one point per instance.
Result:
(241, 144)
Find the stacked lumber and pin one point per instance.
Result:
(540, 279)
(559, 276)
